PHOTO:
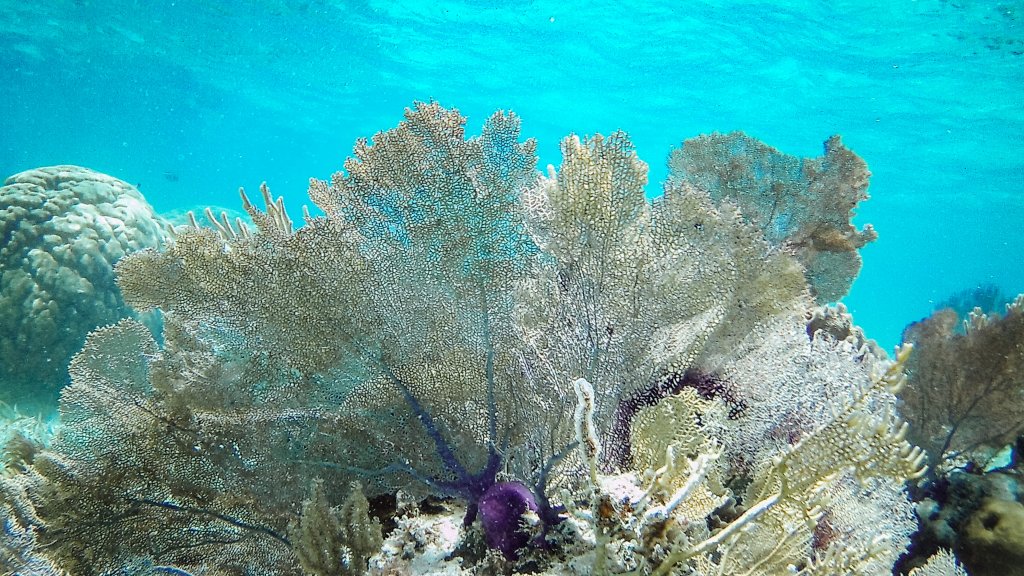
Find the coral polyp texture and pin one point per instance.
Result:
(63, 229)
(593, 382)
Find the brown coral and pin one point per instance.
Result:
(965, 393)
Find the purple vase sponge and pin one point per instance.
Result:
(501, 513)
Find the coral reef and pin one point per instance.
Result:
(804, 204)
(964, 401)
(837, 323)
(603, 385)
(946, 503)
(63, 229)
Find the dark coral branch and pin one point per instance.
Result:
(468, 485)
(222, 517)
(549, 515)
(444, 450)
(708, 386)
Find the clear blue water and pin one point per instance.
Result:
(193, 99)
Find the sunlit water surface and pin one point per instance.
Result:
(191, 100)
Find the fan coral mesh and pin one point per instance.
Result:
(803, 203)
(456, 324)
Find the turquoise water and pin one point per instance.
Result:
(191, 100)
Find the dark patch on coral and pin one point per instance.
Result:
(825, 533)
(707, 385)
(434, 505)
(384, 507)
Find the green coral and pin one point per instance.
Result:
(63, 228)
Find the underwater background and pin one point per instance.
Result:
(190, 100)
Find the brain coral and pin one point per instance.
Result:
(62, 230)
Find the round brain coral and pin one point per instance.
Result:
(63, 228)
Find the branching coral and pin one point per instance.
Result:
(335, 541)
(941, 564)
(63, 228)
(660, 517)
(614, 384)
(804, 204)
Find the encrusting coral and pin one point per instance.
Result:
(634, 380)
(992, 542)
(63, 229)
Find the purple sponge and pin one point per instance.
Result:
(501, 512)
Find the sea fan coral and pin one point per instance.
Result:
(965, 394)
(804, 204)
(607, 385)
